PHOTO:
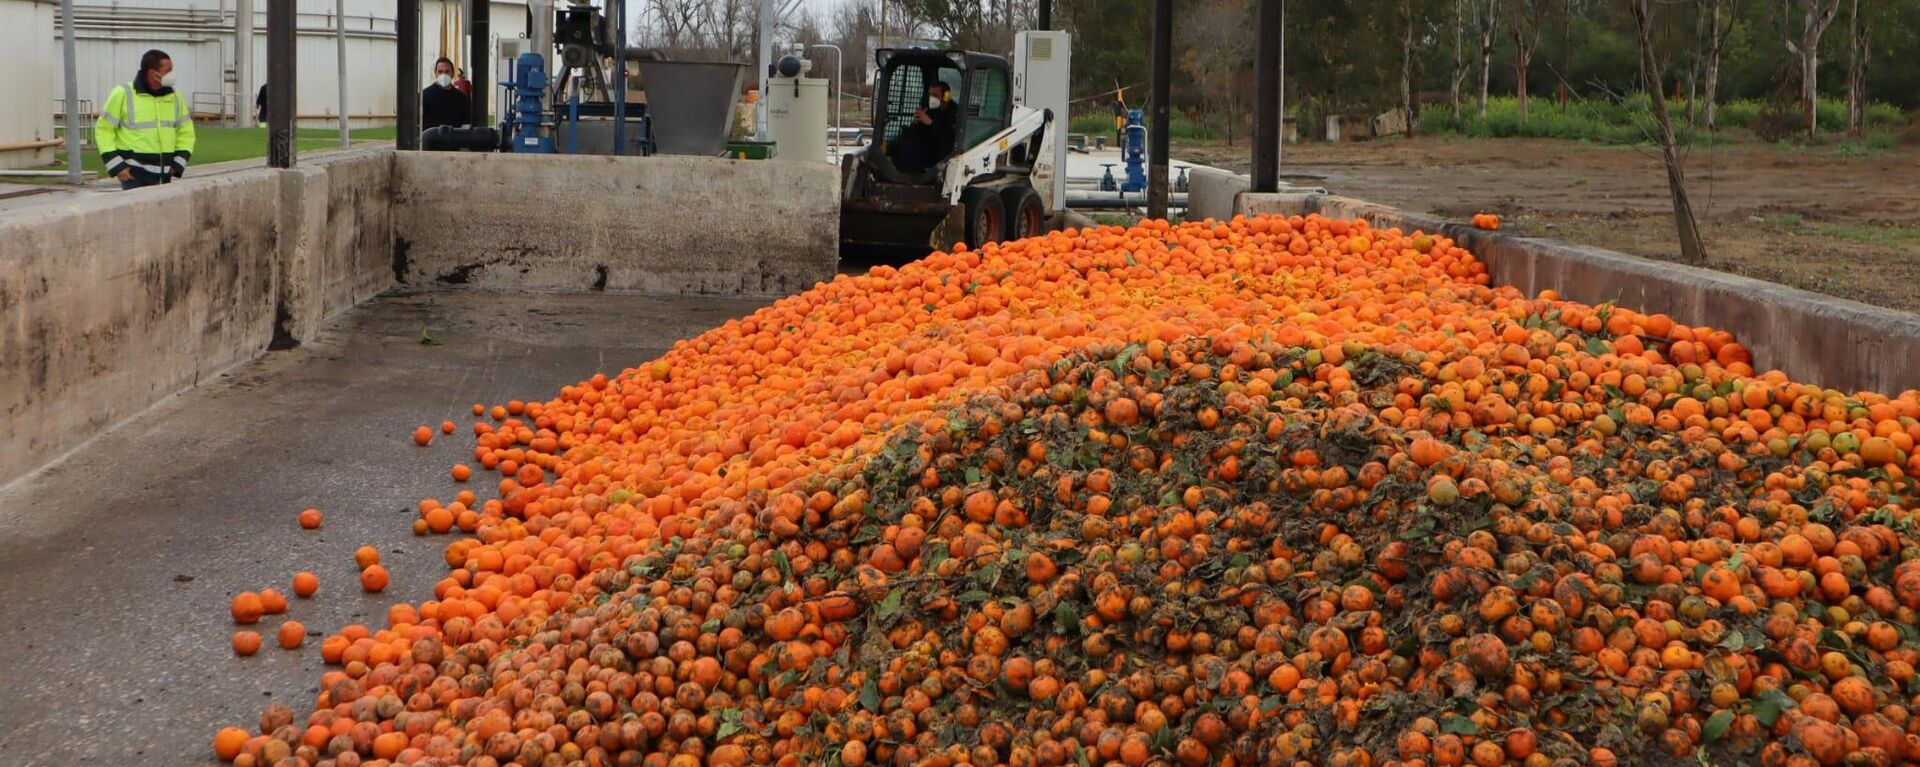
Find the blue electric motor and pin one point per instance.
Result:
(527, 126)
(1135, 152)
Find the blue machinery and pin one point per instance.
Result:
(529, 86)
(531, 130)
(1135, 154)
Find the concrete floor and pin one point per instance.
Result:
(119, 562)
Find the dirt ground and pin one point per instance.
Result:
(1811, 217)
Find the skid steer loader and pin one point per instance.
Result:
(1002, 179)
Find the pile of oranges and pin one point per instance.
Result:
(1268, 491)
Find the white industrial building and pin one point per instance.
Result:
(200, 37)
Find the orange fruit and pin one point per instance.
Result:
(305, 584)
(310, 519)
(373, 579)
(366, 556)
(247, 607)
(292, 634)
(246, 642)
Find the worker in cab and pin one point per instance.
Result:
(145, 133)
(442, 103)
(928, 140)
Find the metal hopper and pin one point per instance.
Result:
(692, 104)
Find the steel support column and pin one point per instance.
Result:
(282, 83)
(1267, 119)
(1160, 122)
(479, 58)
(406, 75)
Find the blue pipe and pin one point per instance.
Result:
(573, 121)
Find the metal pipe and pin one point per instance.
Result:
(480, 53)
(1266, 98)
(839, 90)
(71, 107)
(1045, 15)
(541, 30)
(1161, 120)
(281, 101)
(768, 17)
(340, 50)
(620, 83)
(41, 144)
(243, 59)
(406, 80)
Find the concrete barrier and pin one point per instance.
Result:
(1815, 338)
(336, 237)
(113, 301)
(667, 225)
(1211, 193)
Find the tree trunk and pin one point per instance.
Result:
(1813, 26)
(1860, 38)
(1459, 57)
(1486, 52)
(1715, 39)
(1521, 60)
(1692, 250)
(1710, 93)
(1406, 64)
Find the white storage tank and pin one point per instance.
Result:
(797, 113)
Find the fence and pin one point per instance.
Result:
(87, 114)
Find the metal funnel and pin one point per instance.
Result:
(692, 104)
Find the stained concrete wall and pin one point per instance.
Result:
(663, 225)
(113, 301)
(1816, 338)
(336, 229)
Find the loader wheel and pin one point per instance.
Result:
(1024, 210)
(986, 217)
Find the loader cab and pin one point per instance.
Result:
(981, 90)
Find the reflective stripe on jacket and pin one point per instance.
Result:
(148, 134)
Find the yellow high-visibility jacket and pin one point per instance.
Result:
(145, 132)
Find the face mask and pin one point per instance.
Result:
(444, 81)
(168, 80)
(933, 102)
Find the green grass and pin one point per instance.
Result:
(212, 144)
(1864, 233)
(1627, 121)
(1182, 128)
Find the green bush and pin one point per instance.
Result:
(1182, 129)
(1627, 121)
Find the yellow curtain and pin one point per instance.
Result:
(453, 31)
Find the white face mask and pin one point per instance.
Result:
(168, 80)
(933, 102)
(444, 80)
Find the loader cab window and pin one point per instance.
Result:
(906, 92)
(988, 105)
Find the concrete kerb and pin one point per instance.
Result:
(1833, 342)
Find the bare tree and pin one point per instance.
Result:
(1219, 57)
(1459, 74)
(1406, 63)
(1813, 24)
(1525, 26)
(1712, 43)
(1860, 42)
(1486, 21)
(1652, 69)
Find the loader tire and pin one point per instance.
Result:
(986, 216)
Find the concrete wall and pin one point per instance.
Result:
(673, 225)
(1816, 338)
(28, 30)
(112, 301)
